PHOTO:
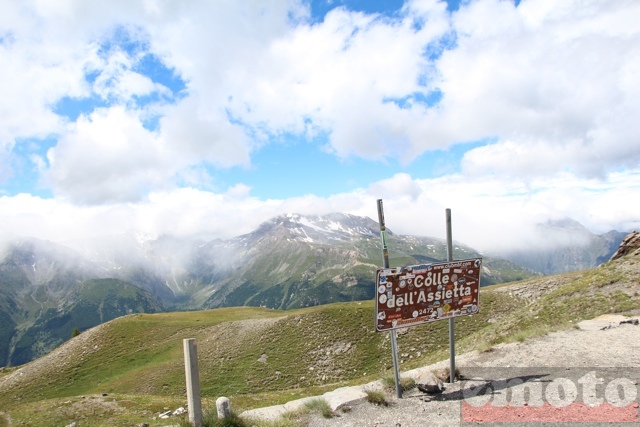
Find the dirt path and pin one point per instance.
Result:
(603, 346)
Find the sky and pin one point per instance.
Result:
(206, 118)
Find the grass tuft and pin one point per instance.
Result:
(321, 406)
(406, 383)
(444, 375)
(484, 347)
(377, 397)
(210, 419)
(144, 376)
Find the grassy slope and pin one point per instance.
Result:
(292, 274)
(96, 301)
(268, 356)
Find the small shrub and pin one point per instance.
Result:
(377, 398)
(444, 375)
(231, 421)
(406, 383)
(298, 417)
(321, 406)
(288, 419)
(210, 419)
(389, 383)
(281, 422)
(484, 348)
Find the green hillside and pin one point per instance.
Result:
(258, 357)
(94, 302)
(291, 274)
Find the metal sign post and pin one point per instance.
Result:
(452, 339)
(392, 333)
(417, 294)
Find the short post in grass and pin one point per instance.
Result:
(193, 381)
(452, 338)
(392, 333)
(223, 408)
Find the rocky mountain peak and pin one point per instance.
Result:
(629, 245)
(566, 224)
(318, 228)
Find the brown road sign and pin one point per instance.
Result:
(417, 294)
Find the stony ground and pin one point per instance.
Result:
(596, 344)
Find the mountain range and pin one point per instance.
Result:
(47, 290)
(130, 370)
(563, 246)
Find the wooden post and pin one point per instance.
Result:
(193, 381)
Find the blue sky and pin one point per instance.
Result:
(210, 117)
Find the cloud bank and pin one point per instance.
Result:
(122, 109)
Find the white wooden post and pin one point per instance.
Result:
(193, 381)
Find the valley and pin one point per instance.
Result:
(47, 289)
(259, 356)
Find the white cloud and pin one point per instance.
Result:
(116, 80)
(593, 157)
(30, 84)
(550, 80)
(490, 213)
(341, 75)
(553, 84)
(108, 156)
(48, 49)
(487, 213)
(199, 133)
(558, 76)
(400, 186)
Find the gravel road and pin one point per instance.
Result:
(602, 346)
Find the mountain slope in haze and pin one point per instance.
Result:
(563, 246)
(297, 261)
(35, 276)
(93, 302)
(47, 290)
(290, 261)
(257, 356)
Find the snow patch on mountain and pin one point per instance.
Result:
(323, 229)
